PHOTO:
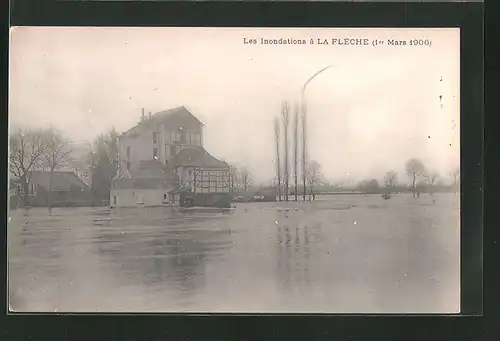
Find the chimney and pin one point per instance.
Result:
(142, 116)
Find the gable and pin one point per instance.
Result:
(179, 116)
(125, 175)
(173, 118)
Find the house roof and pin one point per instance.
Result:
(149, 174)
(149, 169)
(142, 183)
(175, 118)
(197, 157)
(61, 181)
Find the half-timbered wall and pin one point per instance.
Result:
(205, 180)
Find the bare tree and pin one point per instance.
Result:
(295, 150)
(246, 179)
(107, 145)
(313, 177)
(91, 158)
(433, 177)
(414, 169)
(234, 178)
(421, 186)
(278, 170)
(285, 113)
(112, 149)
(304, 151)
(455, 177)
(55, 156)
(103, 162)
(390, 179)
(431, 181)
(78, 162)
(81, 169)
(369, 186)
(26, 148)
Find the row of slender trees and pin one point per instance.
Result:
(49, 150)
(311, 171)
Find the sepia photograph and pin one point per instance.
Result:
(410, 1)
(234, 170)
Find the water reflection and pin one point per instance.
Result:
(349, 254)
(166, 252)
(293, 250)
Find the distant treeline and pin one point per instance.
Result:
(372, 188)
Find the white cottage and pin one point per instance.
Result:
(148, 184)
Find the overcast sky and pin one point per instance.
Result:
(376, 108)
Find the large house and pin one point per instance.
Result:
(163, 162)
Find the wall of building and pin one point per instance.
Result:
(138, 197)
(174, 140)
(220, 200)
(141, 148)
(142, 145)
(72, 197)
(204, 180)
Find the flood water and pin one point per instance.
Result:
(338, 254)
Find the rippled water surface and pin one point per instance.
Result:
(338, 254)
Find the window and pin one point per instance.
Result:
(183, 137)
(196, 139)
(114, 200)
(164, 197)
(128, 165)
(155, 137)
(128, 152)
(155, 153)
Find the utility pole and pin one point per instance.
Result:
(304, 152)
(295, 150)
(304, 126)
(286, 120)
(278, 170)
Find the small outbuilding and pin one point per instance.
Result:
(150, 184)
(65, 189)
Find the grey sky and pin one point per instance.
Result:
(375, 109)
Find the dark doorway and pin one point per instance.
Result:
(189, 202)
